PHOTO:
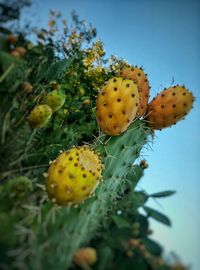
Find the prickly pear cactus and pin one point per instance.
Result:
(73, 176)
(118, 154)
(117, 104)
(52, 201)
(168, 107)
(140, 78)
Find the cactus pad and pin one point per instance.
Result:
(140, 78)
(117, 105)
(169, 107)
(73, 176)
(39, 116)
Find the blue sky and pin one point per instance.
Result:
(163, 37)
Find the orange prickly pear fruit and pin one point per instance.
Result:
(73, 176)
(12, 39)
(140, 78)
(85, 256)
(116, 106)
(169, 107)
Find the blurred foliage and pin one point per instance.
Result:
(10, 9)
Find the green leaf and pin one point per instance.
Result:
(139, 198)
(152, 246)
(157, 215)
(121, 222)
(163, 194)
(6, 59)
(133, 200)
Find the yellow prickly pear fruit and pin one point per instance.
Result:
(140, 78)
(169, 107)
(73, 176)
(86, 102)
(116, 106)
(39, 116)
(55, 99)
(85, 256)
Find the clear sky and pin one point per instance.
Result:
(163, 36)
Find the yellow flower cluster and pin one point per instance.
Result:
(94, 53)
(74, 38)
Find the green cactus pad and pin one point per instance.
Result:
(118, 154)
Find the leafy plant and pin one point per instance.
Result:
(37, 233)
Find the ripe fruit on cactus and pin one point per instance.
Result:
(73, 175)
(85, 256)
(116, 106)
(39, 116)
(140, 78)
(169, 107)
(55, 99)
